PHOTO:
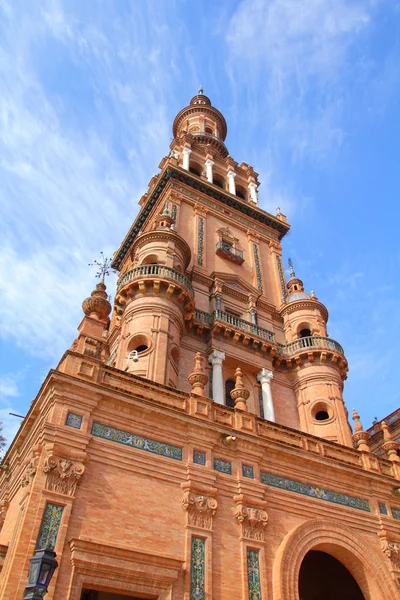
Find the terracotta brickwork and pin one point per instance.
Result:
(193, 443)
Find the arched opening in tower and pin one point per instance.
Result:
(323, 577)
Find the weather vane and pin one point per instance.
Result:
(103, 267)
(291, 269)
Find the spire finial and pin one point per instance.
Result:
(198, 379)
(200, 92)
(103, 267)
(291, 268)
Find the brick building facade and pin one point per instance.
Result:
(193, 443)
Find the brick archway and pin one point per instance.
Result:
(365, 564)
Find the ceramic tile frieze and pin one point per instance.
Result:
(382, 508)
(200, 241)
(198, 569)
(253, 574)
(248, 471)
(174, 211)
(74, 420)
(50, 526)
(258, 268)
(395, 513)
(136, 441)
(281, 277)
(223, 466)
(199, 457)
(314, 492)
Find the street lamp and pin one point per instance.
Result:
(43, 564)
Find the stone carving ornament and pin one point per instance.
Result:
(253, 521)
(392, 551)
(63, 474)
(201, 509)
(30, 471)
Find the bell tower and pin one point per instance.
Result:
(201, 273)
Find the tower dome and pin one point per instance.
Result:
(204, 122)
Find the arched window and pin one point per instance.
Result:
(195, 169)
(229, 386)
(305, 333)
(218, 181)
(151, 259)
(241, 192)
(209, 130)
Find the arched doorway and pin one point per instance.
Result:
(323, 577)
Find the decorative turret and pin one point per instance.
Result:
(360, 437)
(154, 300)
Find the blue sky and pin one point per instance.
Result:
(88, 93)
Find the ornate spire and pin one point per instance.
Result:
(390, 446)
(97, 305)
(201, 91)
(198, 379)
(239, 394)
(360, 436)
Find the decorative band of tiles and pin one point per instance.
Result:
(382, 508)
(395, 513)
(253, 574)
(248, 471)
(50, 526)
(199, 457)
(223, 466)
(136, 441)
(74, 420)
(198, 569)
(315, 492)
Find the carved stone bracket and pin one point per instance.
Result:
(4, 504)
(391, 550)
(200, 505)
(252, 517)
(63, 474)
(31, 467)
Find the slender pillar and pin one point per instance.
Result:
(215, 359)
(186, 158)
(264, 377)
(231, 182)
(253, 192)
(209, 170)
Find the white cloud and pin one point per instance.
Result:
(299, 53)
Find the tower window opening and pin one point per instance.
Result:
(240, 193)
(141, 348)
(219, 182)
(229, 386)
(305, 333)
(209, 130)
(321, 415)
(195, 169)
(295, 287)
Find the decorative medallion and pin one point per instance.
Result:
(136, 441)
(223, 466)
(201, 509)
(74, 420)
(199, 457)
(63, 474)
(248, 471)
(315, 492)
(258, 268)
(253, 574)
(198, 569)
(50, 526)
(200, 241)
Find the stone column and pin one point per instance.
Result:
(186, 158)
(209, 170)
(215, 359)
(264, 377)
(253, 192)
(231, 182)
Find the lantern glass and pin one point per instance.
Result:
(45, 574)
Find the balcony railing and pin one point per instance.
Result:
(156, 271)
(316, 341)
(225, 249)
(237, 322)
